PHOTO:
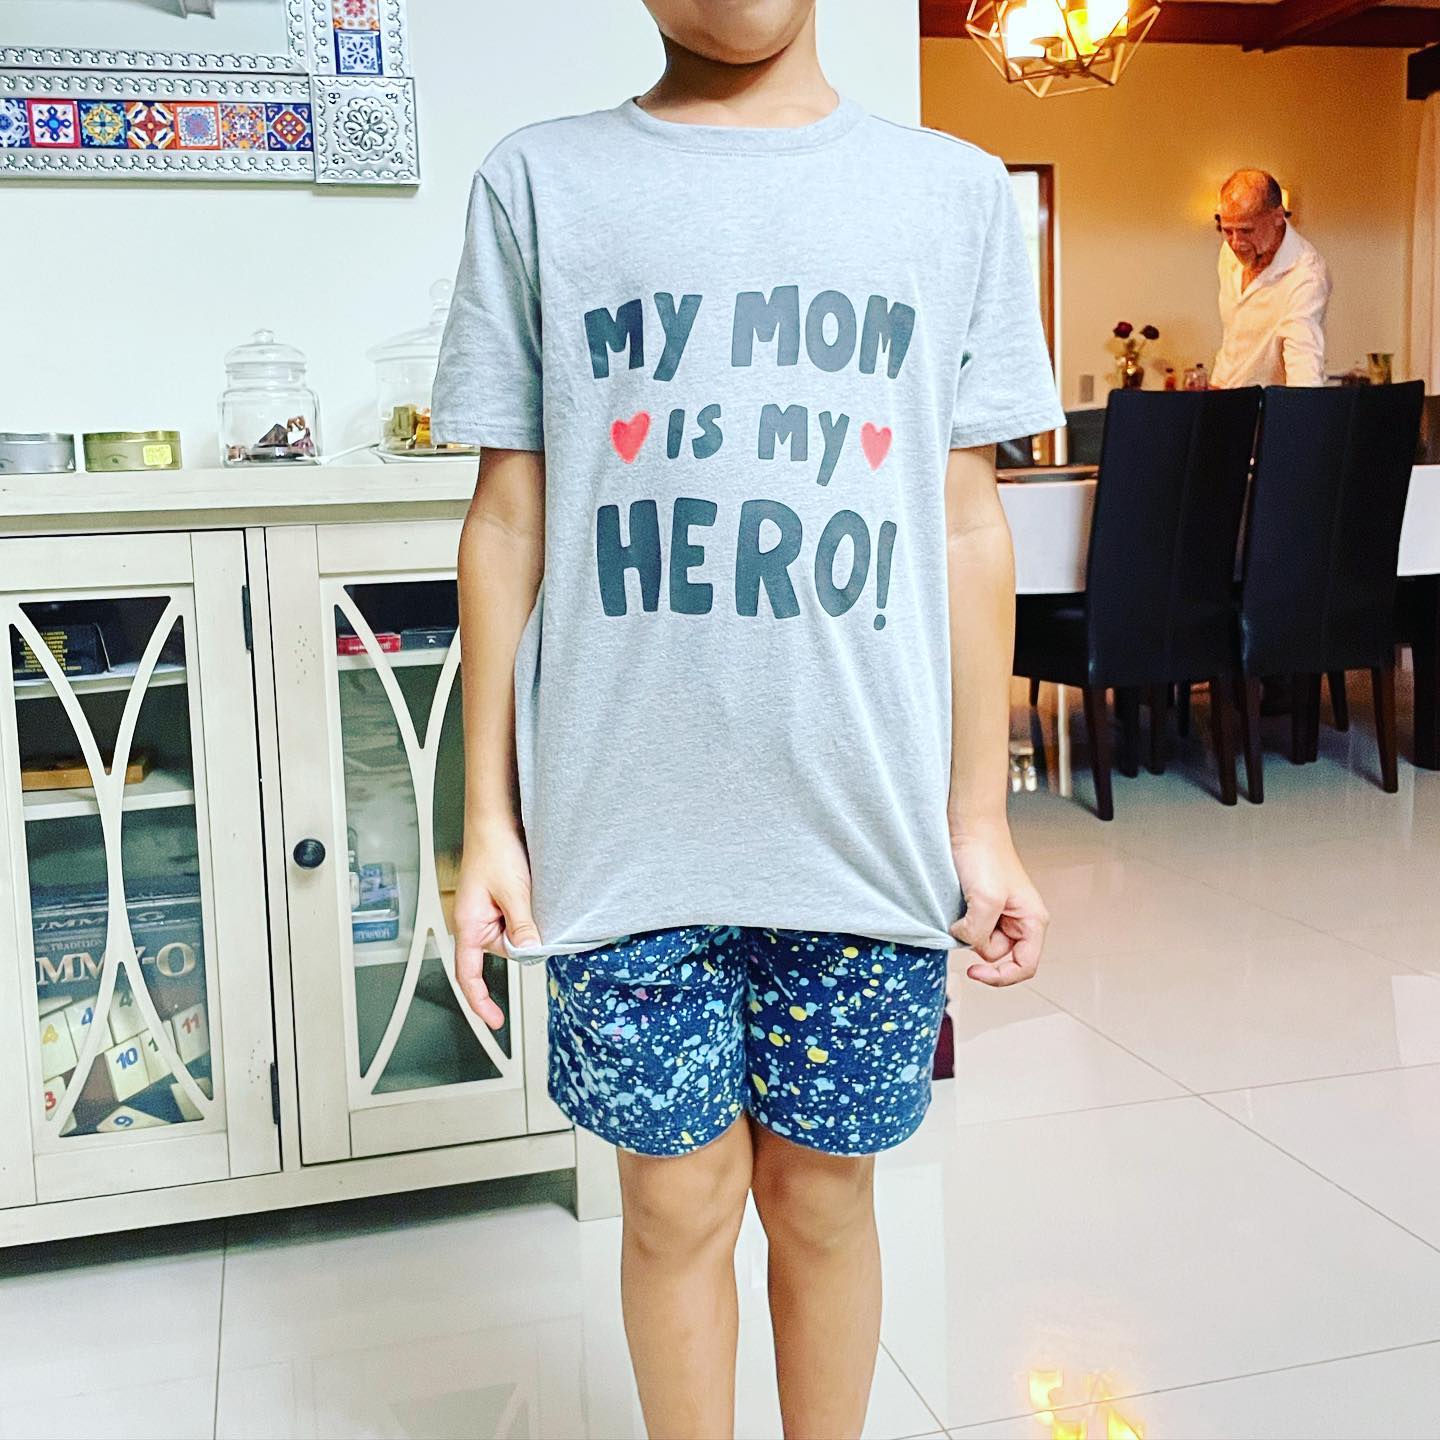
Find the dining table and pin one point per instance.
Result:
(1049, 509)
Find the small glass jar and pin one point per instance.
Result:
(404, 374)
(268, 414)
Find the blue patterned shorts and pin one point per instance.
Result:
(658, 1042)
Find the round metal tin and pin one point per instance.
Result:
(132, 450)
(44, 452)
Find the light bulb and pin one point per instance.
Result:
(1027, 25)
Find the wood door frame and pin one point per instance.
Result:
(1045, 180)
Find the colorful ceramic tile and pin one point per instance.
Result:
(14, 125)
(355, 14)
(357, 52)
(54, 124)
(149, 125)
(102, 124)
(242, 127)
(287, 127)
(197, 125)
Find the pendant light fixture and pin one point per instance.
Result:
(1055, 48)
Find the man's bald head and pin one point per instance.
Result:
(1252, 217)
(1251, 192)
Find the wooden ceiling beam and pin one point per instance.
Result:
(1295, 20)
(1216, 22)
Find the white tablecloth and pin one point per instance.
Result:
(1050, 520)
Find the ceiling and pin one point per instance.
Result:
(1259, 24)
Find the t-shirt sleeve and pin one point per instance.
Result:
(1006, 388)
(488, 383)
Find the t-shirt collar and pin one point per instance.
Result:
(744, 139)
(1286, 254)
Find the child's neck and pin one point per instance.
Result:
(787, 89)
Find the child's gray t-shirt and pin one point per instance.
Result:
(745, 354)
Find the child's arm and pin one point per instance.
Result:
(502, 558)
(1005, 919)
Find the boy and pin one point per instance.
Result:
(737, 355)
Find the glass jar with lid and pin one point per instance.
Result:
(268, 414)
(404, 374)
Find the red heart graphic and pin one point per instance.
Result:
(627, 436)
(875, 443)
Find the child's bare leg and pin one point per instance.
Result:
(819, 1214)
(682, 1215)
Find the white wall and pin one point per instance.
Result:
(119, 299)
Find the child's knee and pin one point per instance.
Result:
(686, 1204)
(812, 1199)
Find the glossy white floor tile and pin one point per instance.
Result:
(113, 1336)
(1161, 1244)
(1250, 1012)
(1395, 1394)
(1016, 1054)
(457, 1324)
(1378, 1136)
(1414, 942)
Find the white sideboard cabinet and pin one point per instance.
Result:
(231, 787)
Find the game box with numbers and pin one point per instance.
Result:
(131, 1084)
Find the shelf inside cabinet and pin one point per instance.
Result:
(159, 790)
(118, 677)
(397, 658)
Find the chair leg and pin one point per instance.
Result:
(1097, 726)
(1299, 719)
(1249, 696)
(1034, 693)
(1382, 678)
(1339, 701)
(1312, 720)
(1224, 739)
(1159, 698)
(1127, 708)
(1182, 708)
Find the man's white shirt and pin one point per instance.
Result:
(1275, 326)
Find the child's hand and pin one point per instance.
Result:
(491, 900)
(1005, 919)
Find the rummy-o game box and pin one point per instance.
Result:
(130, 1085)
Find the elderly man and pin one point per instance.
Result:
(1273, 290)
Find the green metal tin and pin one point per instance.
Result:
(132, 450)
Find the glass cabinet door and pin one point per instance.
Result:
(420, 1069)
(112, 873)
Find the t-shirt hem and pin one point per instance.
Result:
(1005, 427)
(487, 435)
(925, 940)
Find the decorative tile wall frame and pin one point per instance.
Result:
(336, 106)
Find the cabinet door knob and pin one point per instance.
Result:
(309, 853)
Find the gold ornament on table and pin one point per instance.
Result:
(1129, 372)
(1055, 48)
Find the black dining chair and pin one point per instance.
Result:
(1322, 541)
(1158, 603)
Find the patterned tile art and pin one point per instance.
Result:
(54, 124)
(14, 124)
(357, 52)
(197, 125)
(60, 123)
(44, 123)
(149, 125)
(287, 127)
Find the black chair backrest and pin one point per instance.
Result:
(1161, 570)
(1085, 431)
(1323, 537)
